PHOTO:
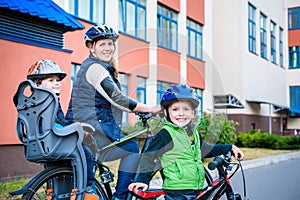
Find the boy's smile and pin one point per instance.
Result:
(181, 113)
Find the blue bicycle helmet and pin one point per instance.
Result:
(179, 92)
(96, 33)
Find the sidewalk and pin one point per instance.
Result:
(248, 164)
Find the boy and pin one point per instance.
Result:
(180, 147)
(48, 74)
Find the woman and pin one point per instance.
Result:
(97, 100)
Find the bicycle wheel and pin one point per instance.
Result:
(55, 182)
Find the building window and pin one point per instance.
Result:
(294, 100)
(90, 10)
(294, 57)
(161, 89)
(132, 18)
(251, 28)
(281, 61)
(167, 36)
(273, 42)
(199, 93)
(74, 70)
(294, 18)
(263, 36)
(141, 90)
(195, 38)
(123, 79)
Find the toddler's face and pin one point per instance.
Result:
(52, 82)
(181, 113)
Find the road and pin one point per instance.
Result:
(280, 181)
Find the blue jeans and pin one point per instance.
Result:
(90, 166)
(128, 152)
(181, 194)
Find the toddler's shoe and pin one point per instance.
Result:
(91, 195)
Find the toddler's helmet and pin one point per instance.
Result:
(43, 68)
(179, 92)
(96, 33)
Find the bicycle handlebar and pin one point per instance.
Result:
(220, 161)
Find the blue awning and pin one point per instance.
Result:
(44, 9)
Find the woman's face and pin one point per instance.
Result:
(104, 49)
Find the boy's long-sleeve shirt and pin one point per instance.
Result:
(162, 143)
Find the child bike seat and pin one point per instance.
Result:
(43, 141)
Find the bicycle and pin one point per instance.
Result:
(215, 189)
(63, 178)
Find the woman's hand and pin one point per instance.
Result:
(156, 109)
(238, 153)
(138, 185)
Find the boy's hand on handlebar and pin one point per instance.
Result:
(138, 185)
(238, 153)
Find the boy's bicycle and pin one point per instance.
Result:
(215, 189)
(60, 151)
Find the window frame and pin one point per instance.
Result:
(251, 28)
(170, 34)
(293, 12)
(197, 33)
(91, 10)
(294, 53)
(263, 35)
(295, 102)
(273, 49)
(123, 21)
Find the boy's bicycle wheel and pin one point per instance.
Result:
(55, 184)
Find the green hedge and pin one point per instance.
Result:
(265, 140)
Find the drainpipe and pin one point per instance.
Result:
(270, 119)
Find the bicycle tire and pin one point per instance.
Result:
(37, 189)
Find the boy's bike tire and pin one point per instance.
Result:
(63, 176)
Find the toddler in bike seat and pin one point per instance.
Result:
(48, 74)
(180, 148)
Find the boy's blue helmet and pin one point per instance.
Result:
(179, 92)
(96, 33)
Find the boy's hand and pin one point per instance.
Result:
(138, 185)
(238, 153)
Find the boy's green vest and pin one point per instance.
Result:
(182, 165)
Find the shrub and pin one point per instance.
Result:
(265, 140)
(216, 128)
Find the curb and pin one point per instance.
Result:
(258, 162)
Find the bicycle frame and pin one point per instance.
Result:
(213, 191)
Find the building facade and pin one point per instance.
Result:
(234, 53)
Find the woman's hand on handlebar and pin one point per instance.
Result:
(138, 185)
(156, 109)
(238, 153)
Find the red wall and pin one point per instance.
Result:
(195, 10)
(16, 58)
(294, 38)
(173, 4)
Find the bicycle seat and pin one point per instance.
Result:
(43, 141)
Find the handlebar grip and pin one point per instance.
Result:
(218, 161)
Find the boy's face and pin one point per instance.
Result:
(52, 82)
(181, 113)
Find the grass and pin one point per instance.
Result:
(250, 153)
